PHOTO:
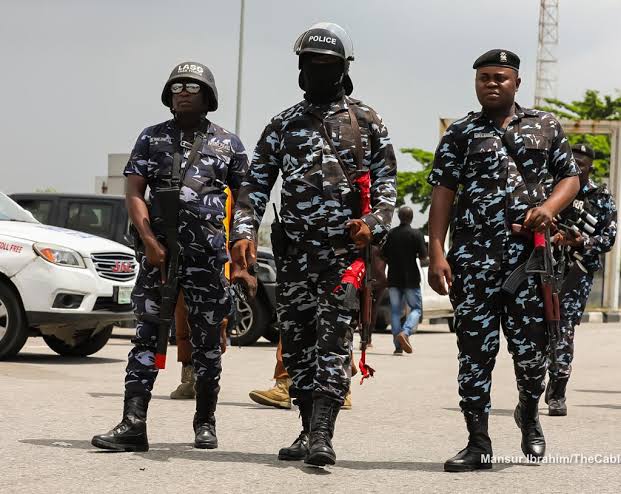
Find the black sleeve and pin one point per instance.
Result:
(422, 248)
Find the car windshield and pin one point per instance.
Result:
(11, 211)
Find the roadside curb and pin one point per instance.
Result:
(601, 316)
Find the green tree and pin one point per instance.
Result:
(414, 184)
(591, 107)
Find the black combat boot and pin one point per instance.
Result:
(299, 449)
(555, 397)
(131, 433)
(204, 418)
(325, 411)
(478, 453)
(527, 419)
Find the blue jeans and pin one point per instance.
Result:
(413, 298)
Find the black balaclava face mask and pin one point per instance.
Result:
(323, 82)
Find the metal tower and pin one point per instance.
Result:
(546, 83)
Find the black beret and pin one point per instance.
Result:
(498, 58)
(583, 149)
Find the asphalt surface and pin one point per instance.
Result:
(403, 425)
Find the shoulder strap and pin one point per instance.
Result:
(358, 151)
(532, 188)
(192, 159)
(355, 127)
(326, 135)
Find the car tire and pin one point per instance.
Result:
(271, 333)
(451, 324)
(82, 349)
(253, 319)
(13, 330)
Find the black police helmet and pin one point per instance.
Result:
(196, 72)
(327, 38)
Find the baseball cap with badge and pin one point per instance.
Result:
(327, 38)
(196, 72)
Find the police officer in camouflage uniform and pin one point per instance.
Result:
(190, 93)
(585, 249)
(503, 165)
(322, 232)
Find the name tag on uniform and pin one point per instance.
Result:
(483, 135)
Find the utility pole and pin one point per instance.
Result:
(547, 61)
(240, 58)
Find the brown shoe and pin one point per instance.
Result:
(278, 396)
(404, 341)
(347, 403)
(185, 390)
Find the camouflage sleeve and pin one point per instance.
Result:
(256, 186)
(448, 162)
(383, 169)
(562, 162)
(238, 165)
(138, 163)
(605, 238)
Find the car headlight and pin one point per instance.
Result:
(59, 255)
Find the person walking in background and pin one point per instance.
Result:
(403, 246)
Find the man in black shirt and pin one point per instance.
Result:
(403, 245)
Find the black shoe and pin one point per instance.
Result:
(205, 433)
(555, 397)
(204, 419)
(557, 407)
(299, 449)
(478, 453)
(526, 417)
(325, 411)
(131, 433)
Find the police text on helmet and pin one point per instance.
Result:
(322, 39)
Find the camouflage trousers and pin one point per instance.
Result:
(204, 288)
(573, 301)
(481, 308)
(316, 330)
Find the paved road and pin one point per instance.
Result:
(403, 425)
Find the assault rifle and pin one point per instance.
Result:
(166, 208)
(366, 305)
(168, 199)
(541, 262)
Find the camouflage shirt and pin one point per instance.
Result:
(597, 202)
(487, 167)
(316, 197)
(223, 162)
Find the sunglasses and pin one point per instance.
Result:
(190, 87)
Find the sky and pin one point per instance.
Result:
(82, 78)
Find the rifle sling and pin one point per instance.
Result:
(358, 145)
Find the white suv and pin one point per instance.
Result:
(69, 287)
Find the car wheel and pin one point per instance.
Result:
(85, 345)
(253, 316)
(271, 333)
(13, 330)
